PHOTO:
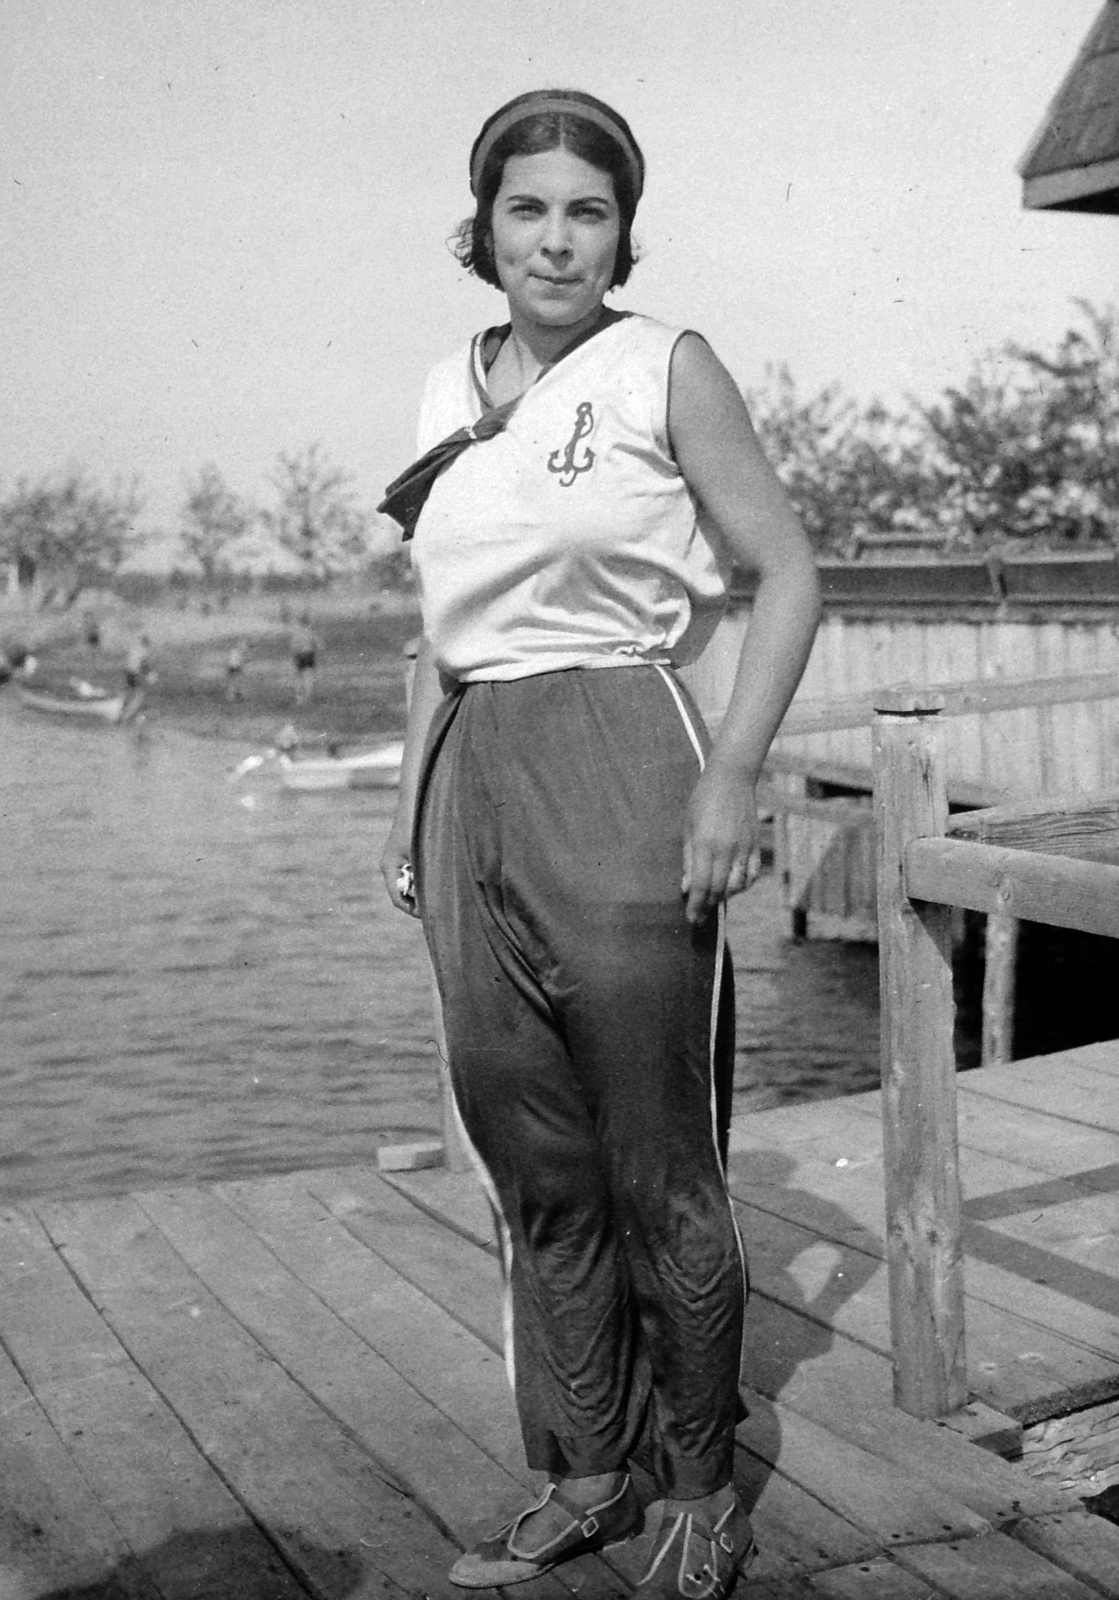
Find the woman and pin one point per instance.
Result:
(590, 478)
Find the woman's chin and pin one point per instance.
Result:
(555, 311)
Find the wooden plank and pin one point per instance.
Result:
(928, 1452)
(880, 1579)
(852, 775)
(1019, 659)
(55, 1538)
(991, 1430)
(1058, 1145)
(1085, 1545)
(1058, 1086)
(1037, 888)
(122, 1437)
(334, 1512)
(918, 1069)
(425, 1344)
(836, 813)
(960, 699)
(990, 1125)
(437, 1463)
(893, 1508)
(956, 652)
(1067, 825)
(993, 1568)
(796, 1532)
(454, 1199)
(467, 1284)
(410, 1157)
(1079, 1451)
(1102, 1058)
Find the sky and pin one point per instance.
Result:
(226, 221)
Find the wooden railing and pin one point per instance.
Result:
(963, 699)
(1053, 863)
(788, 773)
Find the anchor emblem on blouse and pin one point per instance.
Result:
(563, 462)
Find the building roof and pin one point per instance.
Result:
(1073, 162)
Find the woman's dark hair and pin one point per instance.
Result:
(531, 136)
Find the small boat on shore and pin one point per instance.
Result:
(370, 769)
(100, 707)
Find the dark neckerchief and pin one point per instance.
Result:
(407, 495)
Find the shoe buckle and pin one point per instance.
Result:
(590, 1527)
(727, 1543)
(699, 1585)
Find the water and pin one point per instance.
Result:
(203, 979)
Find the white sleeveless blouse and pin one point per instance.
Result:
(570, 539)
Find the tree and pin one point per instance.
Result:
(1078, 427)
(64, 533)
(849, 471)
(1025, 449)
(212, 518)
(317, 519)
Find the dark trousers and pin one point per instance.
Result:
(590, 1038)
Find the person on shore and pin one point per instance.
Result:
(304, 653)
(569, 834)
(139, 672)
(138, 663)
(234, 669)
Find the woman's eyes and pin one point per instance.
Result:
(584, 213)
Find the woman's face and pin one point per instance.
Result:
(556, 226)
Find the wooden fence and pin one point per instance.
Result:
(1027, 750)
(824, 847)
(1050, 863)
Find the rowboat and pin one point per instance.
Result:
(100, 707)
(371, 769)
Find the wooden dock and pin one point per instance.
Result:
(294, 1386)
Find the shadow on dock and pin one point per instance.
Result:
(215, 1564)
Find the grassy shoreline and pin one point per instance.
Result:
(359, 680)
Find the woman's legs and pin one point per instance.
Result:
(579, 1008)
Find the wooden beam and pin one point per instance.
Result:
(999, 979)
(850, 775)
(1060, 890)
(842, 813)
(963, 699)
(923, 1249)
(1088, 828)
(1074, 186)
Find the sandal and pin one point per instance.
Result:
(698, 1561)
(497, 1561)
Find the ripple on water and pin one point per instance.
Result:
(201, 991)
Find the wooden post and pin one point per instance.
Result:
(998, 985)
(918, 1066)
(787, 783)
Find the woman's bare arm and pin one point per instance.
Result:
(723, 464)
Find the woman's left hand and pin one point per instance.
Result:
(720, 840)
